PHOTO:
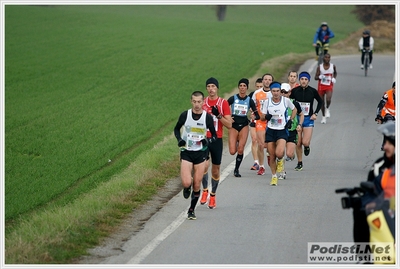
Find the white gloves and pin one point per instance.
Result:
(321, 77)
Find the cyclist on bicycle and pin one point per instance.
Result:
(321, 38)
(365, 43)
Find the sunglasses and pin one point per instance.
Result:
(282, 91)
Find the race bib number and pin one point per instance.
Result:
(277, 121)
(305, 107)
(262, 103)
(240, 109)
(194, 141)
(326, 80)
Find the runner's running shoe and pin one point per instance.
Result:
(327, 113)
(204, 197)
(299, 167)
(261, 171)
(306, 151)
(274, 181)
(255, 166)
(211, 203)
(236, 173)
(282, 175)
(186, 192)
(323, 121)
(279, 166)
(191, 215)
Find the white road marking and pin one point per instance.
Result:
(138, 258)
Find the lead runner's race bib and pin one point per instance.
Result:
(194, 141)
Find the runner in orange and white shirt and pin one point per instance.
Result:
(253, 133)
(293, 79)
(326, 76)
(221, 112)
(260, 96)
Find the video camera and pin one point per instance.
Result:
(353, 198)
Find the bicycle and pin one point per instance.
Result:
(322, 50)
(366, 60)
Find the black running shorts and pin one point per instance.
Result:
(194, 157)
(293, 136)
(215, 150)
(274, 135)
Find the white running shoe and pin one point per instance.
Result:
(362, 66)
(323, 121)
(327, 113)
(370, 66)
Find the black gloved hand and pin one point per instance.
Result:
(288, 124)
(268, 116)
(379, 117)
(211, 140)
(215, 111)
(204, 141)
(181, 143)
(207, 141)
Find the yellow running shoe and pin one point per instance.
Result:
(279, 166)
(274, 181)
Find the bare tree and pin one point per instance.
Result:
(369, 13)
(221, 11)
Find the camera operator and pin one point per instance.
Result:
(361, 228)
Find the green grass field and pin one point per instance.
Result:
(89, 84)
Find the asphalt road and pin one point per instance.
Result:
(258, 224)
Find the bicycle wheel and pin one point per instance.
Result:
(321, 56)
(366, 63)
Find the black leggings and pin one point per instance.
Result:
(362, 57)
